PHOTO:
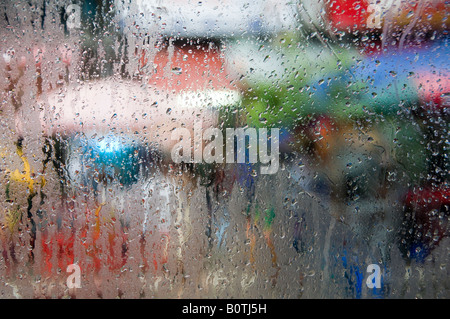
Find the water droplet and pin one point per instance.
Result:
(177, 70)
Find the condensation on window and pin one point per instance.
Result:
(224, 149)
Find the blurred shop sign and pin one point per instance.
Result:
(352, 15)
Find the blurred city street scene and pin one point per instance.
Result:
(93, 91)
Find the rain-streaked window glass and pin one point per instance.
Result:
(224, 149)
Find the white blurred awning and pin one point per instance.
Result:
(213, 18)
